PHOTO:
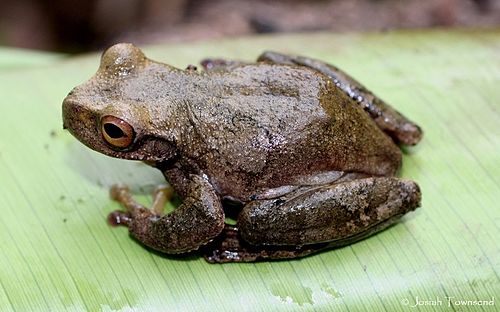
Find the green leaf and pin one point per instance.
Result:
(58, 253)
(11, 58)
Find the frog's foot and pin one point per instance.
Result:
(229, 247)
(133, 209)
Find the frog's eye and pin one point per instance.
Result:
(117, 132)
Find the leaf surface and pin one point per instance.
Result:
(58, 253)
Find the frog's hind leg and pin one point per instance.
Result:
(316, 218)
(397, 126)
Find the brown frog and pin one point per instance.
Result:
(305, 154)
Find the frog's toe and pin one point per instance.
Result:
(210, 63)
(217, 64)
(118, 191)
(119, 217)
(133, 209)
(230, 247)
(225, 248)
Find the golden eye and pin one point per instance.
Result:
(117, 132)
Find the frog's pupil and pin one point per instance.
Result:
(113, 131)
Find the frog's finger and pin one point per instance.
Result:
(161, 195)
(119, 217)
(121, 194)
(397, 126)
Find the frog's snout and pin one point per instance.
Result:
(68, 112)
(122, 59)
(77, 119)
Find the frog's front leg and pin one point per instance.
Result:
(401, 129)
(312, 219)
(195, 222)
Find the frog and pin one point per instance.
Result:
(300, 153)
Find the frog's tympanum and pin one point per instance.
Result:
(303, 154)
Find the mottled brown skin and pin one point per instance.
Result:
(296, 144)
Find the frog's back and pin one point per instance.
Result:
(280, 98)
(268, 125)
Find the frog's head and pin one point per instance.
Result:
(117, 112)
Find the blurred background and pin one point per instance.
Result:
(77, 26)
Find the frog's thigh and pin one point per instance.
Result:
(401, 129)
(338, 213)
